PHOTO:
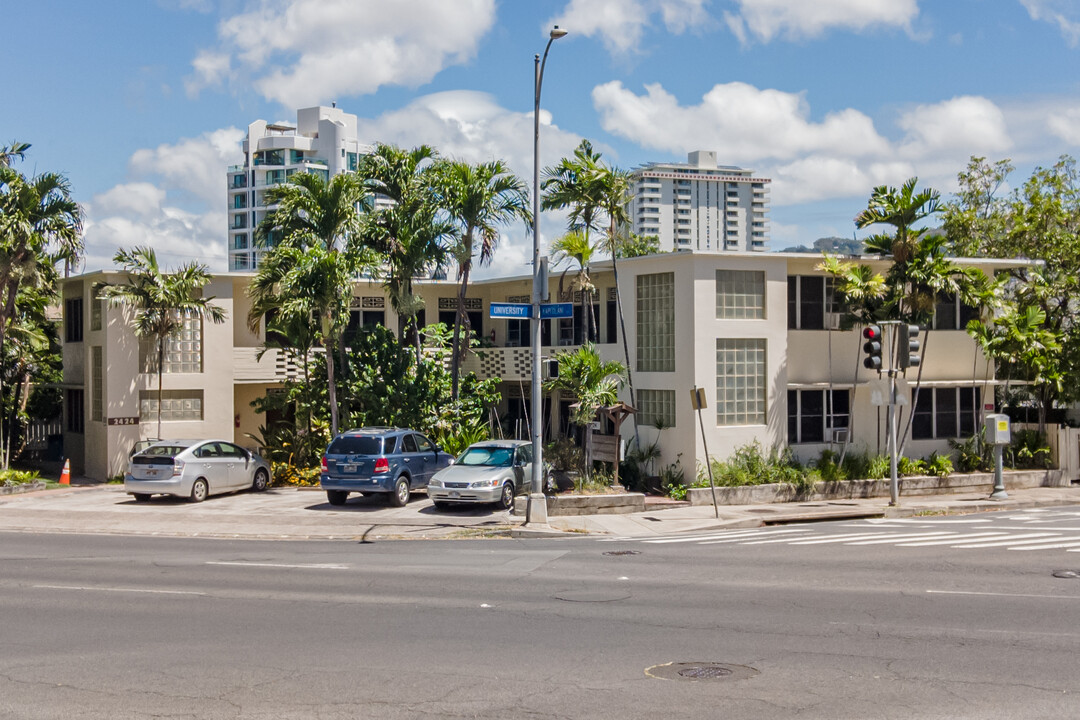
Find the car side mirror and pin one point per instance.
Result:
(452, 461)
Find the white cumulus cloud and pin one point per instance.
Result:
(620, 24)
(1063, 13)
(955, 128)
(1065, 124)
(304, 52)
(794, 19)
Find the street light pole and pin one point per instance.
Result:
(537, 508)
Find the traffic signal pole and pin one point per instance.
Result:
(885, 355)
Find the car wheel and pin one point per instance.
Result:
(261, 481)
(336, 497)
(141, 497)
(441, 505)
(506, 500)
(400, 496)
(199, 490)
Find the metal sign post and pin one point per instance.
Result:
(699, 403)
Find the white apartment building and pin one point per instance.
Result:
(756, 330)
(701, 206)
(322, 141)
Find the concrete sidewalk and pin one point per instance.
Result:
(304, 514)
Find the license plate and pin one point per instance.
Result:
(454, 493)
(151, 473)
(348, 468)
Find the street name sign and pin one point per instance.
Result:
(550, 311)
(512, 311)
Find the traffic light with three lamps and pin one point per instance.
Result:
(872, 347)
(908, 351)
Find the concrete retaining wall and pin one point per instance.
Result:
(21, 488)
(847, 489)
(587, 504)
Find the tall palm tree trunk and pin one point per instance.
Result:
(459, 319)
(331, 386)
(160, 372)
(626, 347)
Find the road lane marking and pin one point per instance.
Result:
(709, 539)
(911, 537)
(995, 594)
(310, 566)
(872, 537)
(114, 589)
(958, 538)
(1052, 545)
(1013, 540)
(774, 535)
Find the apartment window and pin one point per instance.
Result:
(183, 350)
(951, 314)
(945, 413)
(612, 319)
(656, 322)
(740, 294)
(73, 320)
(96, 309)
(239, 201)
(74, 411)
(740, 381)
(175, 405)
(812, 298)
(352, 161)
(296, 157)
(814, 414)
(656, 406)
(97, 391)
(239, 181)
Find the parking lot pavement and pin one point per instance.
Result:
(279, 513)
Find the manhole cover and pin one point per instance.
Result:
(701, 671)
(1070, 574)
(623, 552)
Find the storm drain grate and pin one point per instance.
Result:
(1067, 574)
(623, 552)
(701, 671)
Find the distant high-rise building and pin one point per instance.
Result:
(323, 141)
(700, 206)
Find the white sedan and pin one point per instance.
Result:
(194, 469)
(487, 472)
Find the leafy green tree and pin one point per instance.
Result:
(161, 301)
(593, 382)
(409, 234)
(10, 152)
(307, 275)
(478, 199)
(634, 245)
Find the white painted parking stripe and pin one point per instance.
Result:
(312, 566)
(115, 589)
(871, 537)
(1013, 540)
(910, 538)
(751, 539)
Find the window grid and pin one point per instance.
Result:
(656, 322)
(95, 313)
(96, 389)
(740, 295)
(656, 405)
(740, 381)
(175, 405)
(813, 414)
(183, 349)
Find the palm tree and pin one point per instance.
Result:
(161, 301)
(574, 246)
(15, 150)
(319, 224)
(593, 382)
(478, 199)
(409, 234)
(902, 209)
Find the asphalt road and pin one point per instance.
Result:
(124, 627)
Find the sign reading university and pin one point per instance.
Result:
(523, 311)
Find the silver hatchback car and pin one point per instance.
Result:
(194, 469)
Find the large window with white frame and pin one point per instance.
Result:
(656, 322)
(97, 381)
(945, 413)
(740, 381)
(813, 302)
(656, 406)
(740, 294)
(814, 415)
(950, 313)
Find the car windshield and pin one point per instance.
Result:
(493, 456)
(164, 450)
(355, 445)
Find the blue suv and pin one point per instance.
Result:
(387, 461)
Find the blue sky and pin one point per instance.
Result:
(144, 104)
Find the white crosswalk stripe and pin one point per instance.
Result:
(1023, 531)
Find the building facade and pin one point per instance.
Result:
(323, 141)
(757, 331)
(701, 206)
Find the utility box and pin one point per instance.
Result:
(998, 430)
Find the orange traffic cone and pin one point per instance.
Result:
(65, 474)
